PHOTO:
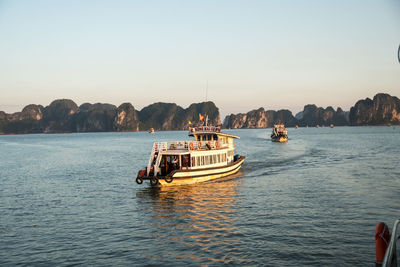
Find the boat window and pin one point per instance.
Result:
(215, 137)
(185, 161)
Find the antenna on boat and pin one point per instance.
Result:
(206, 90)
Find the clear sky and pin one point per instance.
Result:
(271, 54)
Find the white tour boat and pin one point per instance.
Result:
(210, 155)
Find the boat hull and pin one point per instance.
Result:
(279, 139)
(184, 177)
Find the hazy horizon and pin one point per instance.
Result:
(270, 54)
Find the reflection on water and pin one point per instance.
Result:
(198, 217)
(314, 201)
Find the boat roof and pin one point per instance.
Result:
(171, 152)
(209, 130)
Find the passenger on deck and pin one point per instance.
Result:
(175, 163)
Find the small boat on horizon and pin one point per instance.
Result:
(279, 133)
(151, 131)
(211, 155)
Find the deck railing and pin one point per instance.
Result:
(160, 147)
(211, 129)
(390, 259)
(188, 145)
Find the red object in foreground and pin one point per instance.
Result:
(382, 239)
(142, 173)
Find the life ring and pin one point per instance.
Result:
(153, 181)
(139, 180)
(191, 145)
(199, 144)
(382, 239)
(141, 173)
(168, 179)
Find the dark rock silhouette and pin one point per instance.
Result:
(126, 119)
(95, 118)
(383, 109)
(64, 116)
(260, 118)
(59, 117)
(311, 116)
(169, 116)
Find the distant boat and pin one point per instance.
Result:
(297, 126)
(317, 126)
(279, 133)
(151, 130)
(331, 125)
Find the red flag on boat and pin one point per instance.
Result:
(201, 117)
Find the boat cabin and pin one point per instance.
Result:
(210, 148)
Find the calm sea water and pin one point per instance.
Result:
(71, 199)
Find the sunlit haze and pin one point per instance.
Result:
(271, 54)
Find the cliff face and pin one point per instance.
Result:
(95, 118)
(64, 116)
(160, 116)
(126, 119)
(259, 119)
(382, 110)
(26, 121)
(59, 117)
(311, 116)
(166, 116)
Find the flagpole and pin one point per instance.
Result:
(207, 91)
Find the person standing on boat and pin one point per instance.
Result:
(175, 163)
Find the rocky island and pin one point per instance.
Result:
(383, 109)
(65, 116)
